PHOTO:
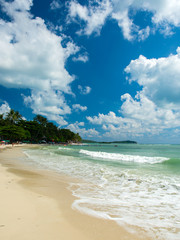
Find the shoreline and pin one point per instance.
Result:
(36, 204)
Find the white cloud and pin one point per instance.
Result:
(70, 49)
(55, 5)
(159, 78)
(78, 107)
(84, 133)
(125, 23)
(81, 58)
(143, 33)
(84, 90)
(103, 119)
(155, 109)
(94, 15)
(11, 7)
(4, 108)
(32, 57)
(135, 125)
(165, 14)
(145, 110)
(50, 104)
(164, 11)
(117, 127)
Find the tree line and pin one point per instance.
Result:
(14, 128)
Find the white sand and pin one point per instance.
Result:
(37, 206)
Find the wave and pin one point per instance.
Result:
(133, 197)
(123, 157)
(174, 162)
(65, 148)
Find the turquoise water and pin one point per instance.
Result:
(136, 185)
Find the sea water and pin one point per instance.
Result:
(136, 185)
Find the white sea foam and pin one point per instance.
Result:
(65, 148)
(143, 201)
(123, 157)
(134, 197)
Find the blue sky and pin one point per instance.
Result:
(107, 69)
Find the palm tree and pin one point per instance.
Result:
(13, 117)
(1, 117)
(2, 120)
(41, 120)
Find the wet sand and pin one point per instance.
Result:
(36, 204)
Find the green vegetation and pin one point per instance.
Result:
(14, 128)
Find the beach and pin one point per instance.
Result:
(36, 204)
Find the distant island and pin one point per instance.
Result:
(121, 142)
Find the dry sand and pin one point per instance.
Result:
(36, 205)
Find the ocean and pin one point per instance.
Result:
(135, 185)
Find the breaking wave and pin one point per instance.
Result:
(123, 157)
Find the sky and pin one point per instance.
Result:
(107, 69)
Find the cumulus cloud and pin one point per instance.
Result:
(4, 108)
(78, 107)
(32, 57)
(84, 90)
(159, 78)
(136, 125)
(155, 109)
(103, 118)
(94, 15)
(117, 127)
(51, 104)
(145, 110)
(164, 11)
(165, 15)
(77, 127)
